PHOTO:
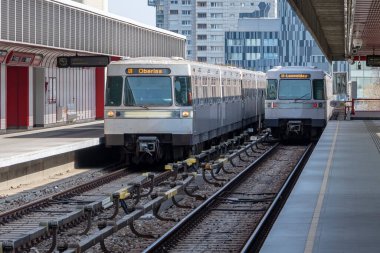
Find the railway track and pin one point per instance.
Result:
(34, 223)
(23, 227)
(236, 218)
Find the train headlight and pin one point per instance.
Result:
(185, 114)
(110, 114)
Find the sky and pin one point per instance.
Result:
(134, 9)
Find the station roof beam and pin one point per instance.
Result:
(325, 21)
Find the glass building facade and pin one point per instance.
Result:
(261, 44)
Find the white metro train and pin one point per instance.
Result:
(297, 101)
(162, 109)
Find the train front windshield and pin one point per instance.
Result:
(294, 89)
(148, 91)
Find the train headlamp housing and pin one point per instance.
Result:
(185, 114)
(110, 114)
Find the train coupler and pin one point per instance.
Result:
(294, 127)
(148, 144)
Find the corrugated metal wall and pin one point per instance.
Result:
(53, 24)
(69, 95)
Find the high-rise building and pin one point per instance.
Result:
(253, 34)
(261, 44)
(205, 22)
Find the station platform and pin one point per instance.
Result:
(21, 147)
(334, 206)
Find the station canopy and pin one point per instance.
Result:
(343, 29)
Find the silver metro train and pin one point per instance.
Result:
(162, 109)
(297, 101)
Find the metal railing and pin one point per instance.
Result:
(363, 104)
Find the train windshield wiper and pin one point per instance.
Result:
(301, 97)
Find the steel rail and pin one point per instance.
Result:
(159, 245)
(112, 227)
(45, 227)
(257, 238)
(24, 209)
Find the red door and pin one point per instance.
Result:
(17, 97)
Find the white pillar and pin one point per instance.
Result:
(30, 84)
(3, 97)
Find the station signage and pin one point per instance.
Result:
(20, 59)
(82, 61)
(373, 60)
(295, 76)
(148, 71)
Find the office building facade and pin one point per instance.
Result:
(205, 22)
(251, 34)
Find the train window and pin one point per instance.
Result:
(114, 90)
(272, 89)
(182, 89)
(148, 91)
(319, 89)
(294, 89)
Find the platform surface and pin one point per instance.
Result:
(366, 115)
(335, 205)
(16, 148)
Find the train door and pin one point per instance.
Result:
(17, 97)
(39, 90)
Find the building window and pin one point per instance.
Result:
(217, 37)
(252, 56)
(235, 56)
(186, 2)
(201, 48)
(217, 60)
(173, 12)
(188, 52)
(174, 2)
(234, 42)
(216, 15)
(202, 26)
(188, 42)
(253, 42)
(186, 22)
(202, 37)
(216, 4)
(270, 56)
(216, 26)
(174, 31)
(186, 12)
(217, 48)
(202, 4)
(202, 15)
(186, 32)
(270, 42)
(202, 59)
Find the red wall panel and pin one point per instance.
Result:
(99, 79)
(17, 97)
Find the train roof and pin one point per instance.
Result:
(177, 61)
(295, 69)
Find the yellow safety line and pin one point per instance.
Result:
(317, 211)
